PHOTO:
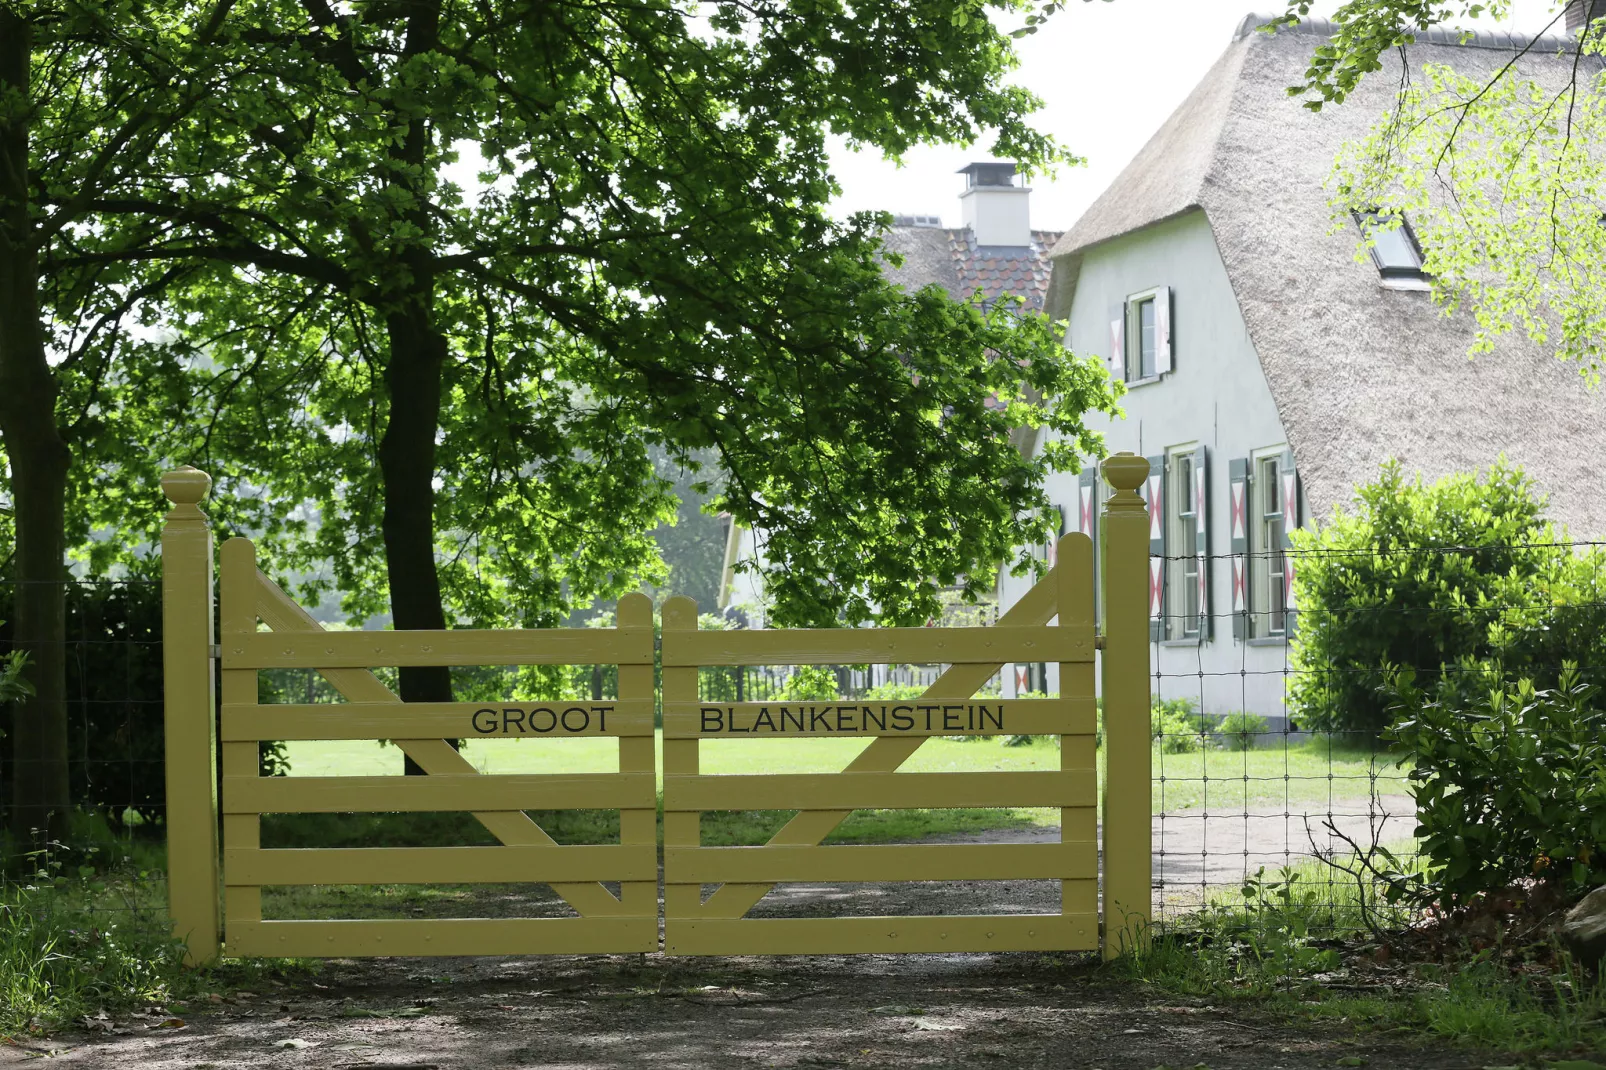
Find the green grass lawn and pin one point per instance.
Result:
(1301, 775)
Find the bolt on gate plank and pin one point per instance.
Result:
(895, 730)
(372, 711)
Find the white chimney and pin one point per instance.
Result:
(1580, 12)
(994, 208)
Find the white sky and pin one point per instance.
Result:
(1109, 74)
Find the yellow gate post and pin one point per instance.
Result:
(189, 705)
(1128, 860)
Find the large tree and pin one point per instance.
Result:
(464, 383)
(90, 91)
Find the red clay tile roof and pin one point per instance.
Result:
(999, 269)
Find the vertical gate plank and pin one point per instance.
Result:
(638, 827)
(242, 904)
(684, 828)
(1073, 574)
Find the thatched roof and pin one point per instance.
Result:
(1359, 373)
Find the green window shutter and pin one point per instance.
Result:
(1239, 505)
(1290, 500)
(1117, 341)
(1162, 330)
(1154, 494)
(1201, 542)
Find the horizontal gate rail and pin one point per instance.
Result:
(899, 862)
(878, 791)
(852, 936)
(446, 936)
(434, 720)
(365, 649)
(423, 794)
(836, 646)
(766, 720)
(439, 865)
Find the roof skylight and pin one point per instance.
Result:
(1394, 247)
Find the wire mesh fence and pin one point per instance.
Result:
(1272, 751)
(103, 864)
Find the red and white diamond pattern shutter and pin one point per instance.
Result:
(1154, 494)
(1238, 537)
(1290, 501)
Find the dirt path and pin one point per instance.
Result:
(592, 1012)
(573, 1013)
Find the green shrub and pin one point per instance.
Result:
(1178, 726)
(13, 685)
(809, 682)
(894, 692)
(1510, 784)
(1423, 576)
(1238, 731)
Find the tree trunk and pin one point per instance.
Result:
(39, 458)
(407, 465)
(413, 380)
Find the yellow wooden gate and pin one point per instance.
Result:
(894, 731)
(744, 875)
(249, 601)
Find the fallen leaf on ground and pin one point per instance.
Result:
(292, 1042)
(171, 1023)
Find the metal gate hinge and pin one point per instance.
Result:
(215, 650)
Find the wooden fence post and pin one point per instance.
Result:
(189, 716)
(1128, 803)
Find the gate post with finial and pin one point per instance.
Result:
(189, 717)
(1128, 803)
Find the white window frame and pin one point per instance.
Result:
(1268, 617)
(1182, 562)
(1132, 336)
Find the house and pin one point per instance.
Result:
(993, 252)
(1269, 371)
